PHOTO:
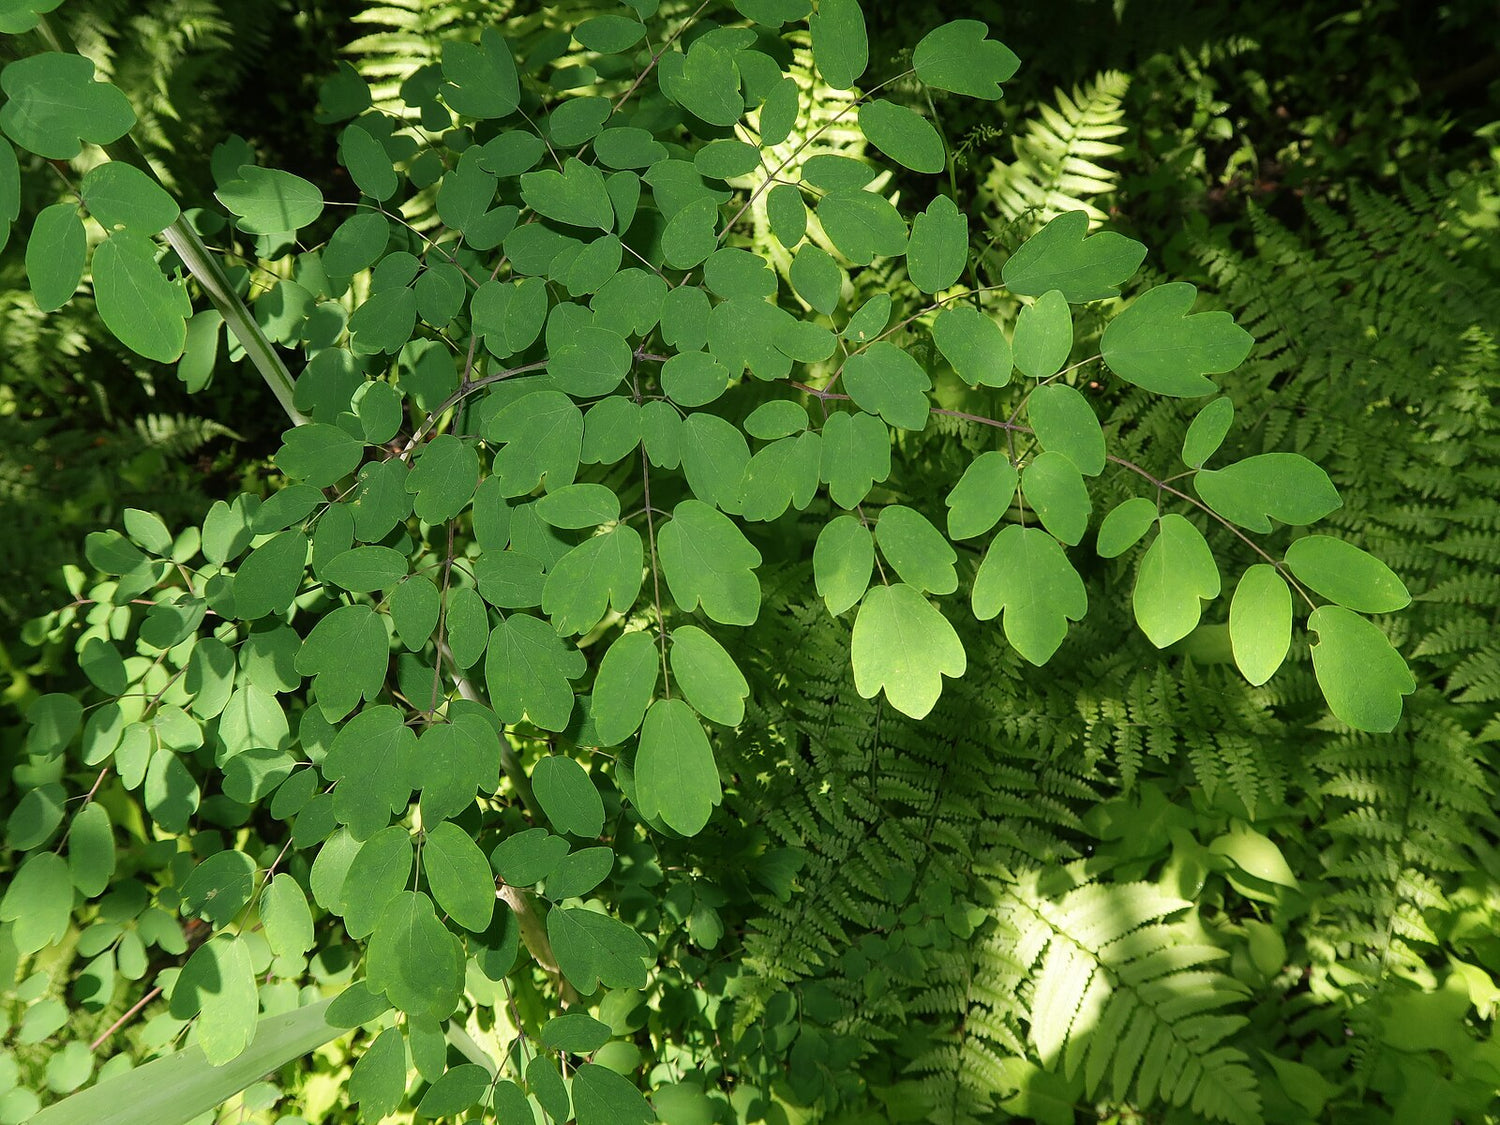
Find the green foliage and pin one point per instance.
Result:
(513, 705)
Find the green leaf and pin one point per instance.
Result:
(817, 279)
(575, 196)
(594, 949)
(883, 379)
(610, 34)
(1124, 525)
(1064, 256)
(365, 569)
(414, 960)
(357, 244)
(981, 496)
(602, 1097)
(91, 850)
(55, 256)
(270, 201)
(1065, 422)
(381, 870)
(145, 310)
(34, 818)
(1044, 335)
(528, 857)
(1283, 486)
(528, 669)
(10, 189)
(1255, 854)
(580, 872)
(856, 454)
(368, 162)
(509, 314)
(902, 134)
(693, 379)
(904, 645)
(689, 237)
(543, 436)
(443, 479)
(1362, 676)
(348, 653)
(577, 1033)
(219, 887)
(1158, 346)
(171, 794)
(601, 573)
(121, 195)
(459, 876)
(415, 606)
(843, 560)
(218, 986)
(378, 1082)
(267, 580)
(591, 362)
(455, 760)
(708, 676)
(939, 249)
(1177, 571)
(1260, 623)
(675, 775)
(1028, 576)
(578, 506)
(714, 457)
(624, 686)
(707, 83)
(917, 550)
(39, 900)
(707, 559)
(1344, 574)
(1054, 488)
(787, 214)
(179, 1088)
(547, 1087)
(957, 57)
(370, 759)
(456, 1090)
(318, 454)
(285, 917)
(1206, 433)
(841, 48)
(54, 105)
(973, 343)
(481, 77)
(568, 796)
(862, 226)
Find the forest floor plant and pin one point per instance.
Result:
(458, 723)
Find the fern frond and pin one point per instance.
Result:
(1055, 165)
